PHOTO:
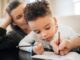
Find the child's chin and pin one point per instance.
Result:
(48, 40)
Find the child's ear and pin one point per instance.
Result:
(55, 19)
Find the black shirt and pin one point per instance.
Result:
(11, 39)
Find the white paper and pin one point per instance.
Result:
(52, 56)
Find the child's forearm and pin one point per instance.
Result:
(75, 42)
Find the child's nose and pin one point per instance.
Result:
(44, 35)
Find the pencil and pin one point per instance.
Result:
(23, 46)
(59, 39)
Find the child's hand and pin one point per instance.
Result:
(62, 49)
(65, 47)
(38, 48)
(55, 46)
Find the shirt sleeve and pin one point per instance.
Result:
(27, 40)
(71, 33)
(68, 33)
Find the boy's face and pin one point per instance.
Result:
(45, 27)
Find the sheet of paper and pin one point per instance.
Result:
(52, 56)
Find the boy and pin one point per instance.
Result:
(45, 27)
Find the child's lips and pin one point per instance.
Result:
(48, 39)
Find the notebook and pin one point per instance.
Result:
(52, 56)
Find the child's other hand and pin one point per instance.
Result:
(38, 48)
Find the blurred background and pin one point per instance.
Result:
(67, 11)
(59, 7)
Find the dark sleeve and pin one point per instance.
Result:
(10, 40)
(76, 50)
(2, 32)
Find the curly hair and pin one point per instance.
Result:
(36, 9)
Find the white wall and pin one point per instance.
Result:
(72, 21)
(62, 7)
(64, 10)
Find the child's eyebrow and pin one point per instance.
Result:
(47, 24)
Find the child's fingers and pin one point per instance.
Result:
(64, 48)
(36, 43)
(35, 49)
(55, 46)
(41, 49)
(64, 52)
(56, 42)
(63, 45)
(38, 48)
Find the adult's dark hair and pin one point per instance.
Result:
(36, 9)
(13, 5)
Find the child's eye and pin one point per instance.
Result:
(48, 27)
(37, 32)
